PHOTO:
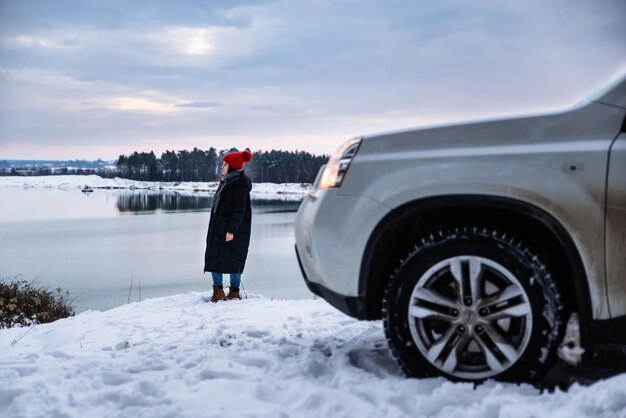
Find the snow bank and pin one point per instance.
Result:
(179, 356)
(259, 190)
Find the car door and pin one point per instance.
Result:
(616, 232)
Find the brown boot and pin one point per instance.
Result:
(233, 293)
(218, 294)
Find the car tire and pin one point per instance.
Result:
(473, 303)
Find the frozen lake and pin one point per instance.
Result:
(95, 244)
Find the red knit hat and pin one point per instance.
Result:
(236, 159)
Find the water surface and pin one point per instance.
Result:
(96, 244)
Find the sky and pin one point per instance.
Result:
(94, 79)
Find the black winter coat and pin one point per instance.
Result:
(231, 212)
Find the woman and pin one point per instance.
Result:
(229, 228)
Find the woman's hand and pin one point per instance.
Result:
(229, 236)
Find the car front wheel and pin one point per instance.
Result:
(473, 304)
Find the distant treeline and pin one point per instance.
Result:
(56, 167)
(273, 166)
(197, 165)
(56, 171)
(6, 165)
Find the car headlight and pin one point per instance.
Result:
(338, 164)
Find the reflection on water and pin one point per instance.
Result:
(166, 201)
(274, 206)
(137, 202)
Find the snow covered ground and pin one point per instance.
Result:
(182, 357)
(259, 190)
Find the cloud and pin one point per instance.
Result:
(114, 75)
(65, 93)
(200, 105)
(28, 41)
(192, 41)
(136, 104)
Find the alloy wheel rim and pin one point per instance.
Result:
(470, 317)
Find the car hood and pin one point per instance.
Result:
(601, 116)
(591, 121)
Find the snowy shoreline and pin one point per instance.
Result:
(70, 182)
(180, 356)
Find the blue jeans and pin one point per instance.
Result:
(235, 279)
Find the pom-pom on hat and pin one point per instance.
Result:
(236, 159)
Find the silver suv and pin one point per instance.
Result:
(476, 243)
